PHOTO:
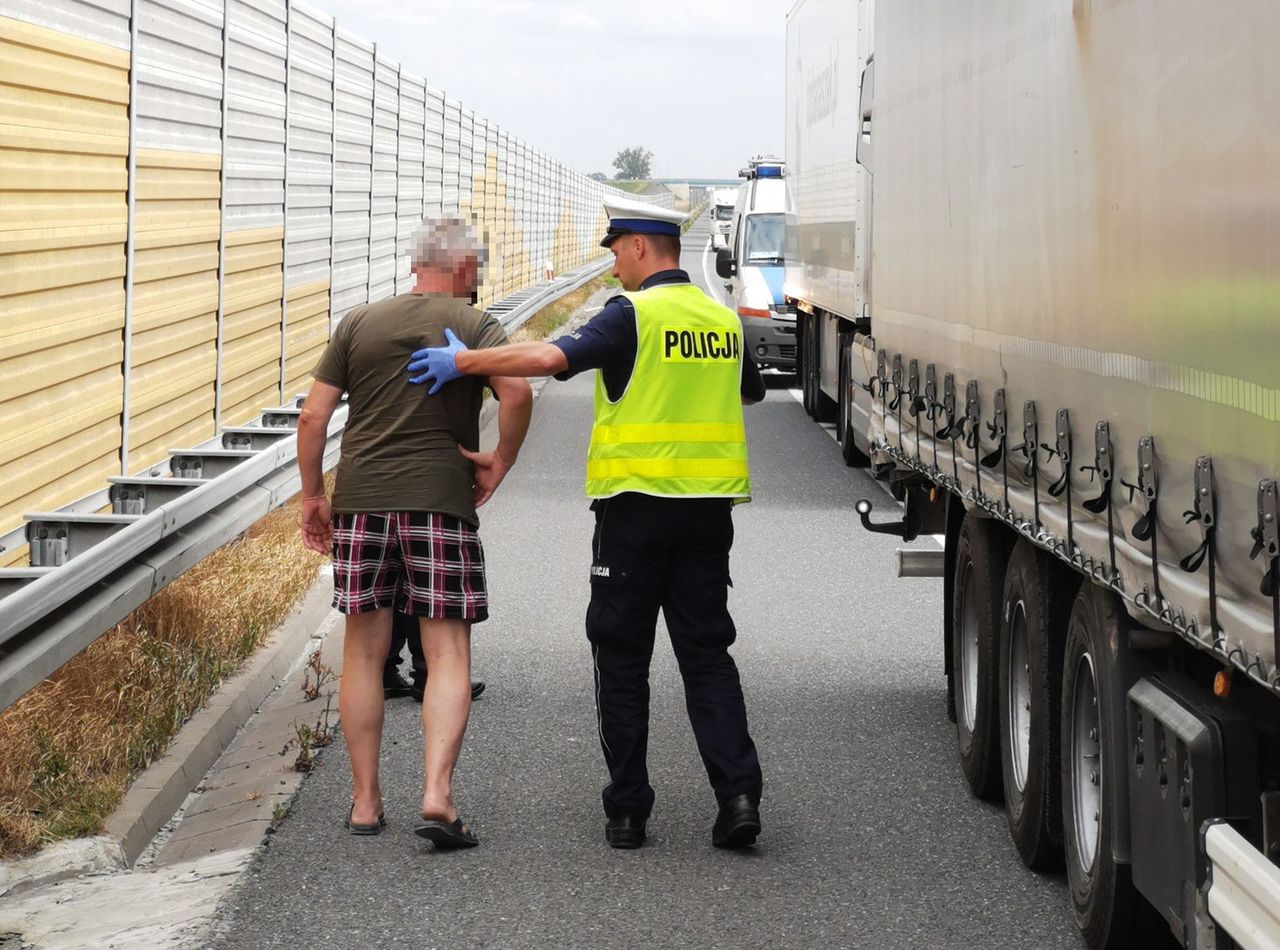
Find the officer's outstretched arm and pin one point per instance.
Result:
(513, 359)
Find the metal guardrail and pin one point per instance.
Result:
(515, 310)
(91, 570)
(1244, 889)
(60, 612)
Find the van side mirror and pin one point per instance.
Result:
(726, 266)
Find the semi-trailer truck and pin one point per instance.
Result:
(1033, 246)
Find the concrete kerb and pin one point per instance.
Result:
(156, 794)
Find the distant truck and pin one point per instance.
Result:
(752, 265)
(722, 200)
(1033, 246)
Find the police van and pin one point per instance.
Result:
(753, 266)
(722, 201)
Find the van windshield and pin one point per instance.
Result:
(764, 239)
(724, 213)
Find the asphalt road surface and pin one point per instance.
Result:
(870, 836)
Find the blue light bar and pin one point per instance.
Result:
(769, 171)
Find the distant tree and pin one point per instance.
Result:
(598, 176)
(632, 163)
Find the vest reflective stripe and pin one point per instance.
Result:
(667, 468)
(677, 429)
(672, 432)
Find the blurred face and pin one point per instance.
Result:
(630, 260)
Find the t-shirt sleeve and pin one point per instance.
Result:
(489, 334)
(332, 368)
(607, 340)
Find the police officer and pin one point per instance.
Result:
(666, 463)
(404, 630)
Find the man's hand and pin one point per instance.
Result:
(438, 363)
(317, 524)
(491, 469)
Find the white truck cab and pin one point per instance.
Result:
(722, 201)
(753, 266)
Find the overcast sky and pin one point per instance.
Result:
(698, 82)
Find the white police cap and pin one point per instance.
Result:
(638, 217)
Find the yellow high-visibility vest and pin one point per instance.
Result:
(677, 430)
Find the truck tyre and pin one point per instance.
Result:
(981, 557)
(1108, 909)
(849, 451)
(1038, 596)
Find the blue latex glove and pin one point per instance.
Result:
(436, 363)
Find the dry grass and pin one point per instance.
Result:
(69, 748)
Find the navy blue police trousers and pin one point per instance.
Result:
(669, 554)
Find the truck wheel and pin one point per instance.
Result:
(1108, 909)
(1033, 630)
(979, 584)
(849, 451)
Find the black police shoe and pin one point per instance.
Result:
(624, 831)
(420, 686)
(394, 685)
(738, 823)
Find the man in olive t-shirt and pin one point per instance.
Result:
(402, 524)
(400, 447)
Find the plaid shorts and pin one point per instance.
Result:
(420, 562)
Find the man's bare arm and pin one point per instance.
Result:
(515, 407)
(313, 427)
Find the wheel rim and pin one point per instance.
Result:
(1019, 681)
(968, 679)
(1086, 763)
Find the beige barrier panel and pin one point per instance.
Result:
(251, 323)
(175, 303)
(63, 220)
(253, 212)
(310, 195)
(307, 334)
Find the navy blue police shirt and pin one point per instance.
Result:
(608, 342)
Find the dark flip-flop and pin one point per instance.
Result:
(371, 829)
(447, 834)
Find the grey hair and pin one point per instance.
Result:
(446, 241)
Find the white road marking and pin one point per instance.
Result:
(706, 275)
(830, 429)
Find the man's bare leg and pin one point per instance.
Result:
(446, 706)
(360, 705)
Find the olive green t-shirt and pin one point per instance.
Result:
(400, 446)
